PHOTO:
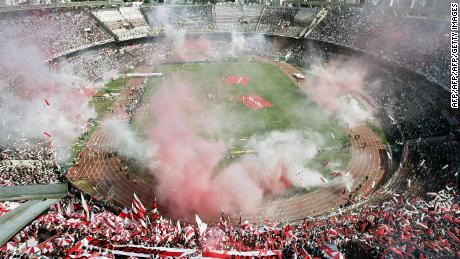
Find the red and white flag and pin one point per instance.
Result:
(138, 211)
(331, 251)
(201, 226)
(177, 228)
(189, 233)
(154, 210)
(86, 208)
(138, 204)
(137, 215)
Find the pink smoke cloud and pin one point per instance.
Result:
(186, 160)
(192, 47)
(334, 80)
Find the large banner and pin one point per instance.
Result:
(78, 251)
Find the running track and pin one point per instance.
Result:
(105, 173)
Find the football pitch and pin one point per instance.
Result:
(257, 98)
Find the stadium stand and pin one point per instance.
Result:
(125, 23)
(434, 161)
(28, 162)
(57, 30)
(192, 18)
(423, 227)
(280, 21)
(380, 32)
(227, 17)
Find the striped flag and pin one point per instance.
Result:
(86, 208)
(154, 210)
(138, 211)
(138, 204)
(137, 215)
(189, 233)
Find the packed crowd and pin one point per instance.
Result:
(408, 45)
(226, 17)
(421, 44)
(99, 64)
(426, 164)
(55, 31)
(280, 21)
(435, 161)
(401, 226)
(102, 64)
(26, 150)
(27, 163)
(416, 107)
(28, 173)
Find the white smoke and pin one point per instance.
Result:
(285, 154)
(240, 43)
(332, 85)
(129, 144)
(25, 82)
(352, 113)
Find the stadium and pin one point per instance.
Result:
(285, 129)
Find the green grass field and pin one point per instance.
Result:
(292, 108)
